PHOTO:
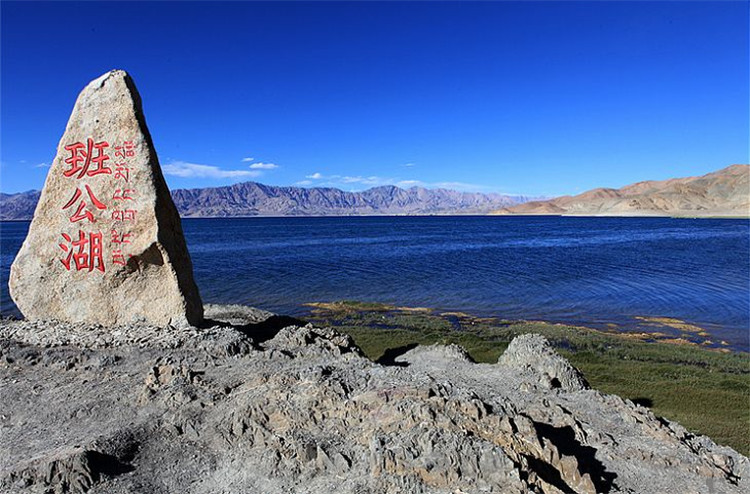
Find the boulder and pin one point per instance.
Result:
(106, 244)
(534, 353)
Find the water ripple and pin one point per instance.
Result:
(580, 270)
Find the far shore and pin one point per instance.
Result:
(457, 215)
(685, 215)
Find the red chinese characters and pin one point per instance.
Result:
(80, 213)
(85, 160)
(88, 255)
(82, 156)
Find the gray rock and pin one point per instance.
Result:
(68, 470)
(533, 352)
(302, 411)
(106, 244)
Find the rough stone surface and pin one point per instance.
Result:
(532, 352)
(106, 244)
(252, 406)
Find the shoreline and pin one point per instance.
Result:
(458, 215)
(647, 329)
(704, 389)
(643, 328)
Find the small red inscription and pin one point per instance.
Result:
(117, 257)
(125, 151)
(117, 240)
(122, 172)
(80, 153)
(123, 195)
(120, 238)
(124, 214)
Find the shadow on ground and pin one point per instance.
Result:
(261, 331)
(567, 444)
(390, 355)
(644, 402)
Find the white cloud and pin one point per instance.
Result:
(40, 165)
(263, 166)
(247, 160)
(371, 180)
(348, 181)
(409, 183)
(460, 186)
(360, 182)
(193, 170)
(408, 165)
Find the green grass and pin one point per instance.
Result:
(706, 391)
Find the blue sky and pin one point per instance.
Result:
(537, 98)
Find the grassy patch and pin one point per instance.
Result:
(350, 306)
(706, 391)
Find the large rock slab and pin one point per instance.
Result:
(106, 244)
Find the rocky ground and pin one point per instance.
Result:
(255, 403)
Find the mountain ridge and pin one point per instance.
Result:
(724, 192)
(256, 199)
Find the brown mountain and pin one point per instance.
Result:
(722, 193)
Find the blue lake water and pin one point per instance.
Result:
(591, 271)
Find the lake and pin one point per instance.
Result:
(589, 271)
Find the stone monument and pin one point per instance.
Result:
(106, 244)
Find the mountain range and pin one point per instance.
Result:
(722, 193)
(19, 206)
(255, 199)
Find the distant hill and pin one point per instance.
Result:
(254, 199)
(18, 206)
(722, 193)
